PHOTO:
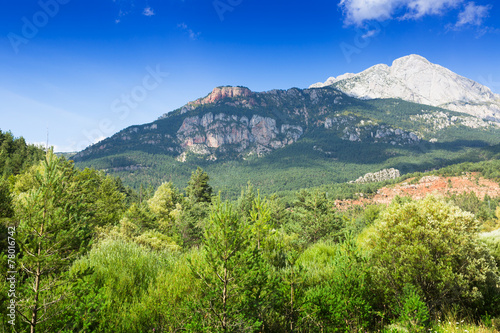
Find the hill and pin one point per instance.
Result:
(283, 140)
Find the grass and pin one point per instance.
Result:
(460, 326)
(452, 322)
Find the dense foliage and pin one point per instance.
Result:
(94, 256)
(16, 155)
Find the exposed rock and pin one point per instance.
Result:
(263, 129)
(379, 176)
(220, 93)
(368, 131)
(413, 78)
(436, 121)
(152, 127)
(212, 132)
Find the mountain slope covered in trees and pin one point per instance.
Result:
(289, 139)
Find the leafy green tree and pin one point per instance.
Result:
(246, 200)
(413, 313)
(6, 209)
(171, 303)
(102, 195)
(16, 155)
(166, 204)
(191, 223)
(433, 246)
(291, 289)
(198, 189)
(50, 234)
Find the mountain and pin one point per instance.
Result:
(283, 140)
(413, 78)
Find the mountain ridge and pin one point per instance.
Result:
(413, 78)
(290, 139)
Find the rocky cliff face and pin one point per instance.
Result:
(415, 79)
(354, 129)
(220, 93)
(208, 132)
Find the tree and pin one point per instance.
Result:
(246, 200)
(50, 232)
(16, 155)
(198, 189)
(105, 203)
(6, 210)
(122, 273)
(314, 217)
(497, 214)
(225, 240)
(190, 224)
(433, 246)
(166, 204)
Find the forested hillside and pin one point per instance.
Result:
(284, 140)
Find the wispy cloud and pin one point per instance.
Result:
(127, 7)
(473, 15)
(357, 12)
(192, 35)
(369, 33)
(148, 11)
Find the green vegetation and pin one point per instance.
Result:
(16, 155)
(95, 256)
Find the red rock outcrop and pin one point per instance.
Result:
(220, 93)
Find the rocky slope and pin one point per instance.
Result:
(235, 122)
(199, 134)
(415, 79)
(429, 185)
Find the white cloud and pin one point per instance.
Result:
(192, 35)
(356, 12)
(369, 34)
(419, 8)
(473, 15)
(148, 11)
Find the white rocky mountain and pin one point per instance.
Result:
(413, 78)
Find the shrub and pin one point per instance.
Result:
(433, 246)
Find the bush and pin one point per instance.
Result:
(433, 246)
(338, 295)
(413, 314)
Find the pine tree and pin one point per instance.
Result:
(49, 235)
(225, 241)
(198, 189)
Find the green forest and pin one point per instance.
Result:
(82, 252)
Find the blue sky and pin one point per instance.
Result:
(87, 69)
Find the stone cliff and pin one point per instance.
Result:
(260, 134)
(219, 93)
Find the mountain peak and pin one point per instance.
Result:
(415, 79)
(219, 93)
(412, 58)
